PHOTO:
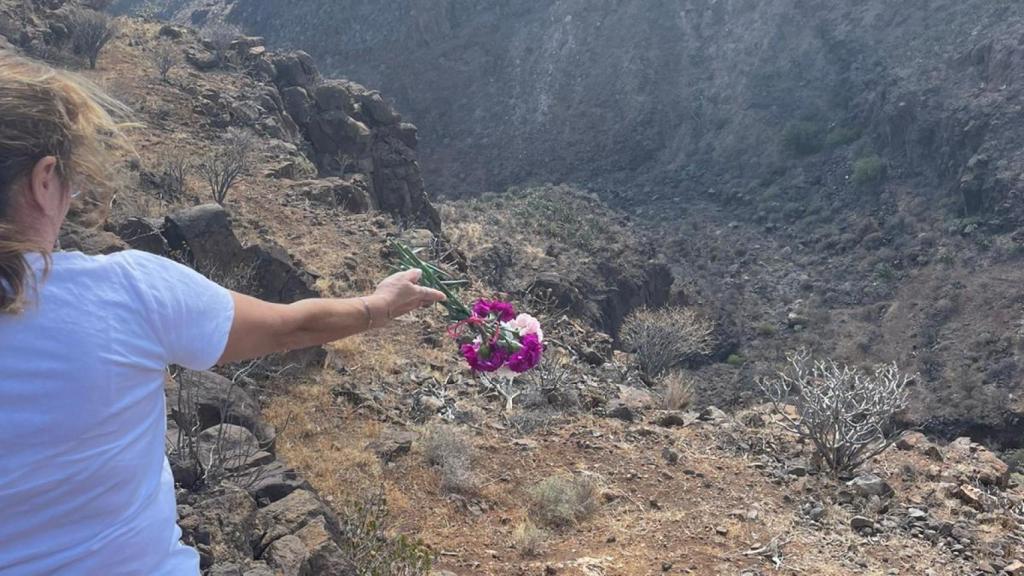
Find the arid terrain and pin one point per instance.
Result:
(379, 451)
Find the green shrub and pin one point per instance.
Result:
(841, 136)
(560, 501)
(803, 138)
(735, 360)
(366, 538)
(868, 171)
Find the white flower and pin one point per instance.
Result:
(525, 324)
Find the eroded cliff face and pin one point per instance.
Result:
(668, 93)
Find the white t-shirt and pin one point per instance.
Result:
(84, 484)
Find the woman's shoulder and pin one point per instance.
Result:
(127, 263)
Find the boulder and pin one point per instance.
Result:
(171, 31)
(233, 446)
(215, 400)
(287, 556)
(334, 95)
(325, 557)
(298, 104)
(971, 461)
(89, 240)
(867, 485)
(205, 237)
(294, 512)
(347, 194)
(144, 234)
(224, 569)
(621, 410)
(225, 525)
(376, 109)
(274, 482)
(259, 569)
(334, 132)
(294, 69)
(202, 60)
(393, 445)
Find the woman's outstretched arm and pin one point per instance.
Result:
(260, 328)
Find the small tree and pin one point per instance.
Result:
(164, 59)
(90, 32)
(665, 337)
(222, 167)
(174, 176)
(847, 414)
(220, 36)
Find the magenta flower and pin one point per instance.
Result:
(484, 358)
(504, 310)
(528, 356)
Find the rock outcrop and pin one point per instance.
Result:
(265, 518)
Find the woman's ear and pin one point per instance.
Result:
(46, 188)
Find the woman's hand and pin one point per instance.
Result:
(400, 294)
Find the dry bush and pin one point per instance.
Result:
(367, 541)
(528, 539)
(848, 415)
(560, 501)
(448, 449)
(677, 391)
(665, 337)
(214, 457)
(90, 32)
(174, 176)
(164, 59)
(222, 167)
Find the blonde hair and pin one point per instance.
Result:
(46, 112)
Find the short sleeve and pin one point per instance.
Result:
(189, 315)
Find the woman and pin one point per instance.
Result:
(85, 343)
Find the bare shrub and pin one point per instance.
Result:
(174, 176)
(164, 58)
(217, 454)
(223, 166)
(560, 501)
(848, 415)
(665, 337)
(367, 542)
(220, 35)
(677, 391)
(90, 32)
(450, 451)
(528, 539)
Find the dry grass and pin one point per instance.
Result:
(449, 450)
(561, 501)
(677, 391)
(528, 539)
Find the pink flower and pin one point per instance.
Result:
(525, 324)
(528, 355)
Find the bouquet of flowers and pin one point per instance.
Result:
(491, 336)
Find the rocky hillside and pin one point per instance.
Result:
(382, 454)
(821, 173)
